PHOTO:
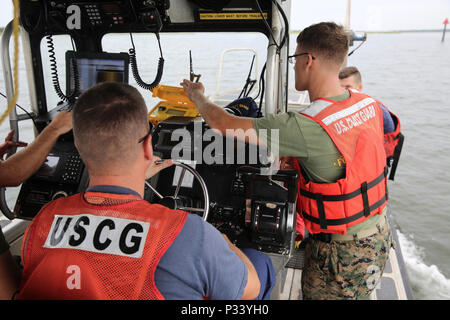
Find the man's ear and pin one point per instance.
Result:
(360, 87)
(310, 60)
(148, 148)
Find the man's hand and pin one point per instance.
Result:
(4, 148)
(19, 167)
(194, 90)
(287, 163)
(217, 118)
(62, 123)
(156, 166)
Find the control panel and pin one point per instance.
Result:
(62, 174)
(252, 208)
(72, 169)
(85, 16)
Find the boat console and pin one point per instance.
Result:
(233, 184)
(253, 208)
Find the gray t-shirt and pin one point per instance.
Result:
(200, 264)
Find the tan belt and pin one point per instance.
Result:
(327, 237)
(360, 235)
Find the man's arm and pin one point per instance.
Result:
(253, 286)
(219, 119)
(20, 166)
(388, 123)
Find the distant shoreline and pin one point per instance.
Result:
(389, 31)
(406, 31)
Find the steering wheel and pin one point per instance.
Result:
(4, 206)
(174, 202)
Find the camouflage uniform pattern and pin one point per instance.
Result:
(345, 269)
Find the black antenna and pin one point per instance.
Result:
(246, 90)
(192, 76)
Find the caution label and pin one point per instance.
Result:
(232, 16)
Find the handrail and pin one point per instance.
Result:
(219, 75)
(13, 121)
(273, 66)
(7, 76)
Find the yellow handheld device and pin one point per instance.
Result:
(175, 103)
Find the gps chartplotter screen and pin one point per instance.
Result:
(94, 68)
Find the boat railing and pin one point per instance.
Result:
(13, 230)
(219, 94)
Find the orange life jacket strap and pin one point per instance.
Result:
(397, 152)
(347, 196)
(367, 208)
(323, 222)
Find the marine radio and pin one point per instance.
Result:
(85, 16)
(62, 174)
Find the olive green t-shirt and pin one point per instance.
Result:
(303, 138)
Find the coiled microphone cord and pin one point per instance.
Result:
(54, 73)
(135, 71)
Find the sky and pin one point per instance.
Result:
(366, 15)
(372, 15)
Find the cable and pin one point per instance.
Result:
(29, 115)
(279, 47)
(54, 72)
(265, 22)
(285, 20)
(135, 71)
(356, 48)
(262, 89)
(133, 59)
(286, 23)
(260, 80)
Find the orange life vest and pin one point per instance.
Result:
(356, 128)
(97, 246)
(391, 139)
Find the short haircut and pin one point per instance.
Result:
(327, 40)
(350, 71)
(108, 121)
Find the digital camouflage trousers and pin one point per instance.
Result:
(345, 269)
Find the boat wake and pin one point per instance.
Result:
(427, 281)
